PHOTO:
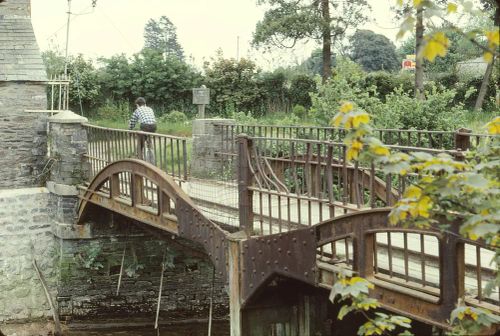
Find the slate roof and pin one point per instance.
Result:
(20, 58)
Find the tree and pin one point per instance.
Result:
(165, 82)
(161, 35)
(116, 78)
(488, 5)
(84, 88)
(314, 63)
(373, 51)
(234, 85)
(288, 21)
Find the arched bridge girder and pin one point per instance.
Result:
(121, 187)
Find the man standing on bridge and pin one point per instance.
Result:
(146, 118)
(144, 115)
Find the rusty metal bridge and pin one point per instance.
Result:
(289, 204)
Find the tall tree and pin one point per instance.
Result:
(488, 5)
(288, 21)
(161, 35)
(373, 51)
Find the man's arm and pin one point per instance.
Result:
(133, 120)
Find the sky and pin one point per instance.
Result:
(203, 27)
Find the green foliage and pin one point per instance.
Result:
(244, 118)
(286, 22)
(88, 256)
(402, 111)
(470, 320)
(233, 85)
(313, 65)
(386, 83)
(346, 84)
(353, 291)
(394, 108)
(173, 117)
(161, 35)
(115, 111)
(273, 86)
(373, 51)
(84, 86)
(301, 87)
(299, 111)
(165, 81)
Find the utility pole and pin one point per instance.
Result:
(94, 3)
(67, 40)
(237, 48)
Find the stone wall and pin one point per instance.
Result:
(25, 231)
(23, 135)
(206, 162)
(83, 273)
(90, 269)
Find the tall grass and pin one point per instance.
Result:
(183, 129)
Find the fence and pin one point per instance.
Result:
(296, 182)
(461, 139)
(169, 153)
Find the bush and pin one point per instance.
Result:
(115, 111)
(385, 82)
(244, 118)
(346, 84)
(173, 117)
(300, 88)
(300, 111)
(437, 112)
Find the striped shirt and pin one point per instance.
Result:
(143, 115)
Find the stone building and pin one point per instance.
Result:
(23, 134)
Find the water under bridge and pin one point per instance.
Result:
(285, 203)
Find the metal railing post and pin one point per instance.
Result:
(245, 195)
(462, 139)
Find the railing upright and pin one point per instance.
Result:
(245, 194)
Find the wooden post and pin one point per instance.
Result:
(234, 288)
(363, 251)
(462, 141)
(452, 267)
(245, 195)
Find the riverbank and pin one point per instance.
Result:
(137, 327)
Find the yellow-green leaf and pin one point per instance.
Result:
(452, 8)
(437, 45)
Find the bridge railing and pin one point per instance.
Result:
(423, 272)
(461, 139)
(106, 145)
(291, 183)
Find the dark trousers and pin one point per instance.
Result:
(151, 128)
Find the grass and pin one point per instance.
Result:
(476, 120)
(181, 129)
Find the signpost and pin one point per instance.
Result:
(201, 97)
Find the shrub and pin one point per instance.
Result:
(437, 112)
(173, 117)
(244, 118)
(299, 111)
(300, 88)
(115, 111)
